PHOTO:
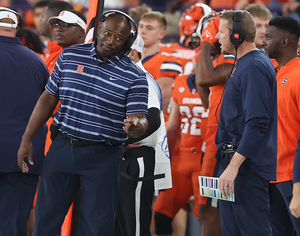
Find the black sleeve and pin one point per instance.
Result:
(153, 118)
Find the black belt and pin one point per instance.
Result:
(80, 142)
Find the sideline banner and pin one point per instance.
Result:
(95, 11)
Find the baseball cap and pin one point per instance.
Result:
(68, 17)
(6, 13)
(138, 44)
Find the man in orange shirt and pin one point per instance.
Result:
(164, 67)
(281, 41)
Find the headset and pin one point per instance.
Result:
(133, 33)
(237, 34)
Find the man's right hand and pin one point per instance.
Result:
(210, 32)
(25, 149)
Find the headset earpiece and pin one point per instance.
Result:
(237, 34)
(133, 33)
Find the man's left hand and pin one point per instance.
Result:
(226, 181)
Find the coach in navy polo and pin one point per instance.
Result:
(103, 96)
(23, 78)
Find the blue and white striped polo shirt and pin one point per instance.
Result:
(96, 95)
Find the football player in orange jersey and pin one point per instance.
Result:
(188, 40)
(281, 42)
(162, 66)
(187, 118)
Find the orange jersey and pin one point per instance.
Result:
(193, 114)
(41, 56)
(183, 52)
(162, 64)
(216, 91)
(288, 95)
(275, 64)
(222, 4)
(54, 52)
(215, 105)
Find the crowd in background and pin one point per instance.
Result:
(31, 11)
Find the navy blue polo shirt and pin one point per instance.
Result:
(23, 79)
(96, 95)
(248, 115)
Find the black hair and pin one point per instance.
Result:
(286, 23)
(57, 6)
(30, 40)
(41, 3)
(78, 13)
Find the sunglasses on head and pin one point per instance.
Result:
(63, 25)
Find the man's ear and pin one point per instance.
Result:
(162, 34)
(285, 42)
(82, 33)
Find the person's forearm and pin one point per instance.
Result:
(172, 134)
(236, 161)
(165, 84)
(204, 95)
(203, 76)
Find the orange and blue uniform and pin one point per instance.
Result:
(183, 52)
(185, 166)
(288, 90)
(160, 65)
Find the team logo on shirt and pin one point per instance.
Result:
(181, 89)
(207, 34)
(284, 81)
(80, 69)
